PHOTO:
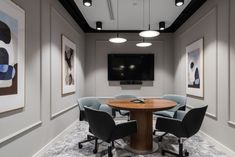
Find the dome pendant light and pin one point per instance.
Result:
(149, 33)
(117, 39)
(143, 44)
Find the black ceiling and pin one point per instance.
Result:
(74, 11)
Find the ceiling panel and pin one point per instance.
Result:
(132, 14)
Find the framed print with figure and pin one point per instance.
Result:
(194, 69)
(12, 56)
(68, 66)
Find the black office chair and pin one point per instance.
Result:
(185, 125)
(91, 102)
(171, 113)
(103, 127)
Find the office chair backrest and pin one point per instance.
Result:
(128, 96)
(179, 99)
(91, 102)
(193, 120)
(101, 123)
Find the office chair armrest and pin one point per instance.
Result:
(124, 129)
(169, 125)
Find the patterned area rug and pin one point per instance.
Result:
(67, 146)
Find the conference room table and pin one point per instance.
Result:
(142, 141)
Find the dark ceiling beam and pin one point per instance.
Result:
(74, 11)
(192, 7)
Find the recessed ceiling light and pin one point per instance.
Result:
(87, 3)
(99, 25)
(179, 3)
(162, 25)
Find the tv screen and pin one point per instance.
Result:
(130, 67)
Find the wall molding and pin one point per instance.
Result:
(24, 130)
(230, 122)
(217, 144)
(58, 137)
(54, 115)
(19, 132)
(215, 8)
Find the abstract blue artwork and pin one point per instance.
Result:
(12, 51)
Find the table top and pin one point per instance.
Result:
(155, 104)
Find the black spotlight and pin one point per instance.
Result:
(99, 25)
(162, 25)
(87, 3)
(179, 3)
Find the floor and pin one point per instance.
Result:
(67, 146)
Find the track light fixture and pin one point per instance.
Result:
(179, 3)
(98, 25)
(162, 25)
(87, 3)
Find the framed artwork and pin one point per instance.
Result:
(194, 69)
(68, 66)
(12, 54)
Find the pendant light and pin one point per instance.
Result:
(117, 39)
(149, 33)
(143, 44)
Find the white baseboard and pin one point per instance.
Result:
(47, 146)
(218, 145)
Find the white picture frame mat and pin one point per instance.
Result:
(68, 89)
(194, 91)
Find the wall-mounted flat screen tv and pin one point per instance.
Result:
(123, 67)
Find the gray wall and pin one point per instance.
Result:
(25, 131)
(214, 21)
(97, 48)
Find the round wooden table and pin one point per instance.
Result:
(142, 141)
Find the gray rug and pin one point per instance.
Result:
(67, 146)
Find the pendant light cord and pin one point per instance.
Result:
(117, 16)
(117, 20)
(149, 14)
(143, 14)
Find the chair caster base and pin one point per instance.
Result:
(94, 151)
(186, 153)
